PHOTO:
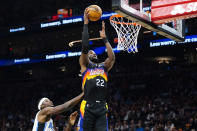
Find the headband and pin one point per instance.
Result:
(40, 103)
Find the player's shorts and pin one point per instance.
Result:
(93, 116)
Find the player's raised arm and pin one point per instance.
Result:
(109, 62)
(61, 108)
(83, 60)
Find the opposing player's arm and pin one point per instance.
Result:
(109, 62)
(61, 108)
(71, 121)
(83, 60)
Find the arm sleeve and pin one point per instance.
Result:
(85, 39)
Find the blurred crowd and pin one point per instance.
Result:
(165, 101)
(27, 12)
(150, 97)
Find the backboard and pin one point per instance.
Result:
(137, 11)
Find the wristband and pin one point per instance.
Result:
(105, 40)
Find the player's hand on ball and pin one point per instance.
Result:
(73, 117)
(102, 32)
(86, 20)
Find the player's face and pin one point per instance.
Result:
(48, 103)
(92, 56)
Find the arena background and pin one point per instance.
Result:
(154, 89)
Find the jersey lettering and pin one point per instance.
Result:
(97, 72)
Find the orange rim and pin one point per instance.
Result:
(119, 16)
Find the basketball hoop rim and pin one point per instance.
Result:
(121, 23)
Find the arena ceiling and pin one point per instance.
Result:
(14, 12)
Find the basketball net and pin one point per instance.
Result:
(127, 32)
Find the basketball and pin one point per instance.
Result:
(95, 12)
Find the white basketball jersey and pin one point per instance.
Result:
(47, 126)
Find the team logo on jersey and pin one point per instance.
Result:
(93, 73)
(50, 125)
(96, 72)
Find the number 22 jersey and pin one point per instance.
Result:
(94, 81)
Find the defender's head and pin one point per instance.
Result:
(44, 102)
(92, 56)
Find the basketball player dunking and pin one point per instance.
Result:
(43, 121)
(93, 110)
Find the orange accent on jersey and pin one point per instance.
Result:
(78, 128)
(82, 107)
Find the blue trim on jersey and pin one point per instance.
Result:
(44, 126)
(83, 74)
(37, 126)
(81, 123)
(85, 71)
